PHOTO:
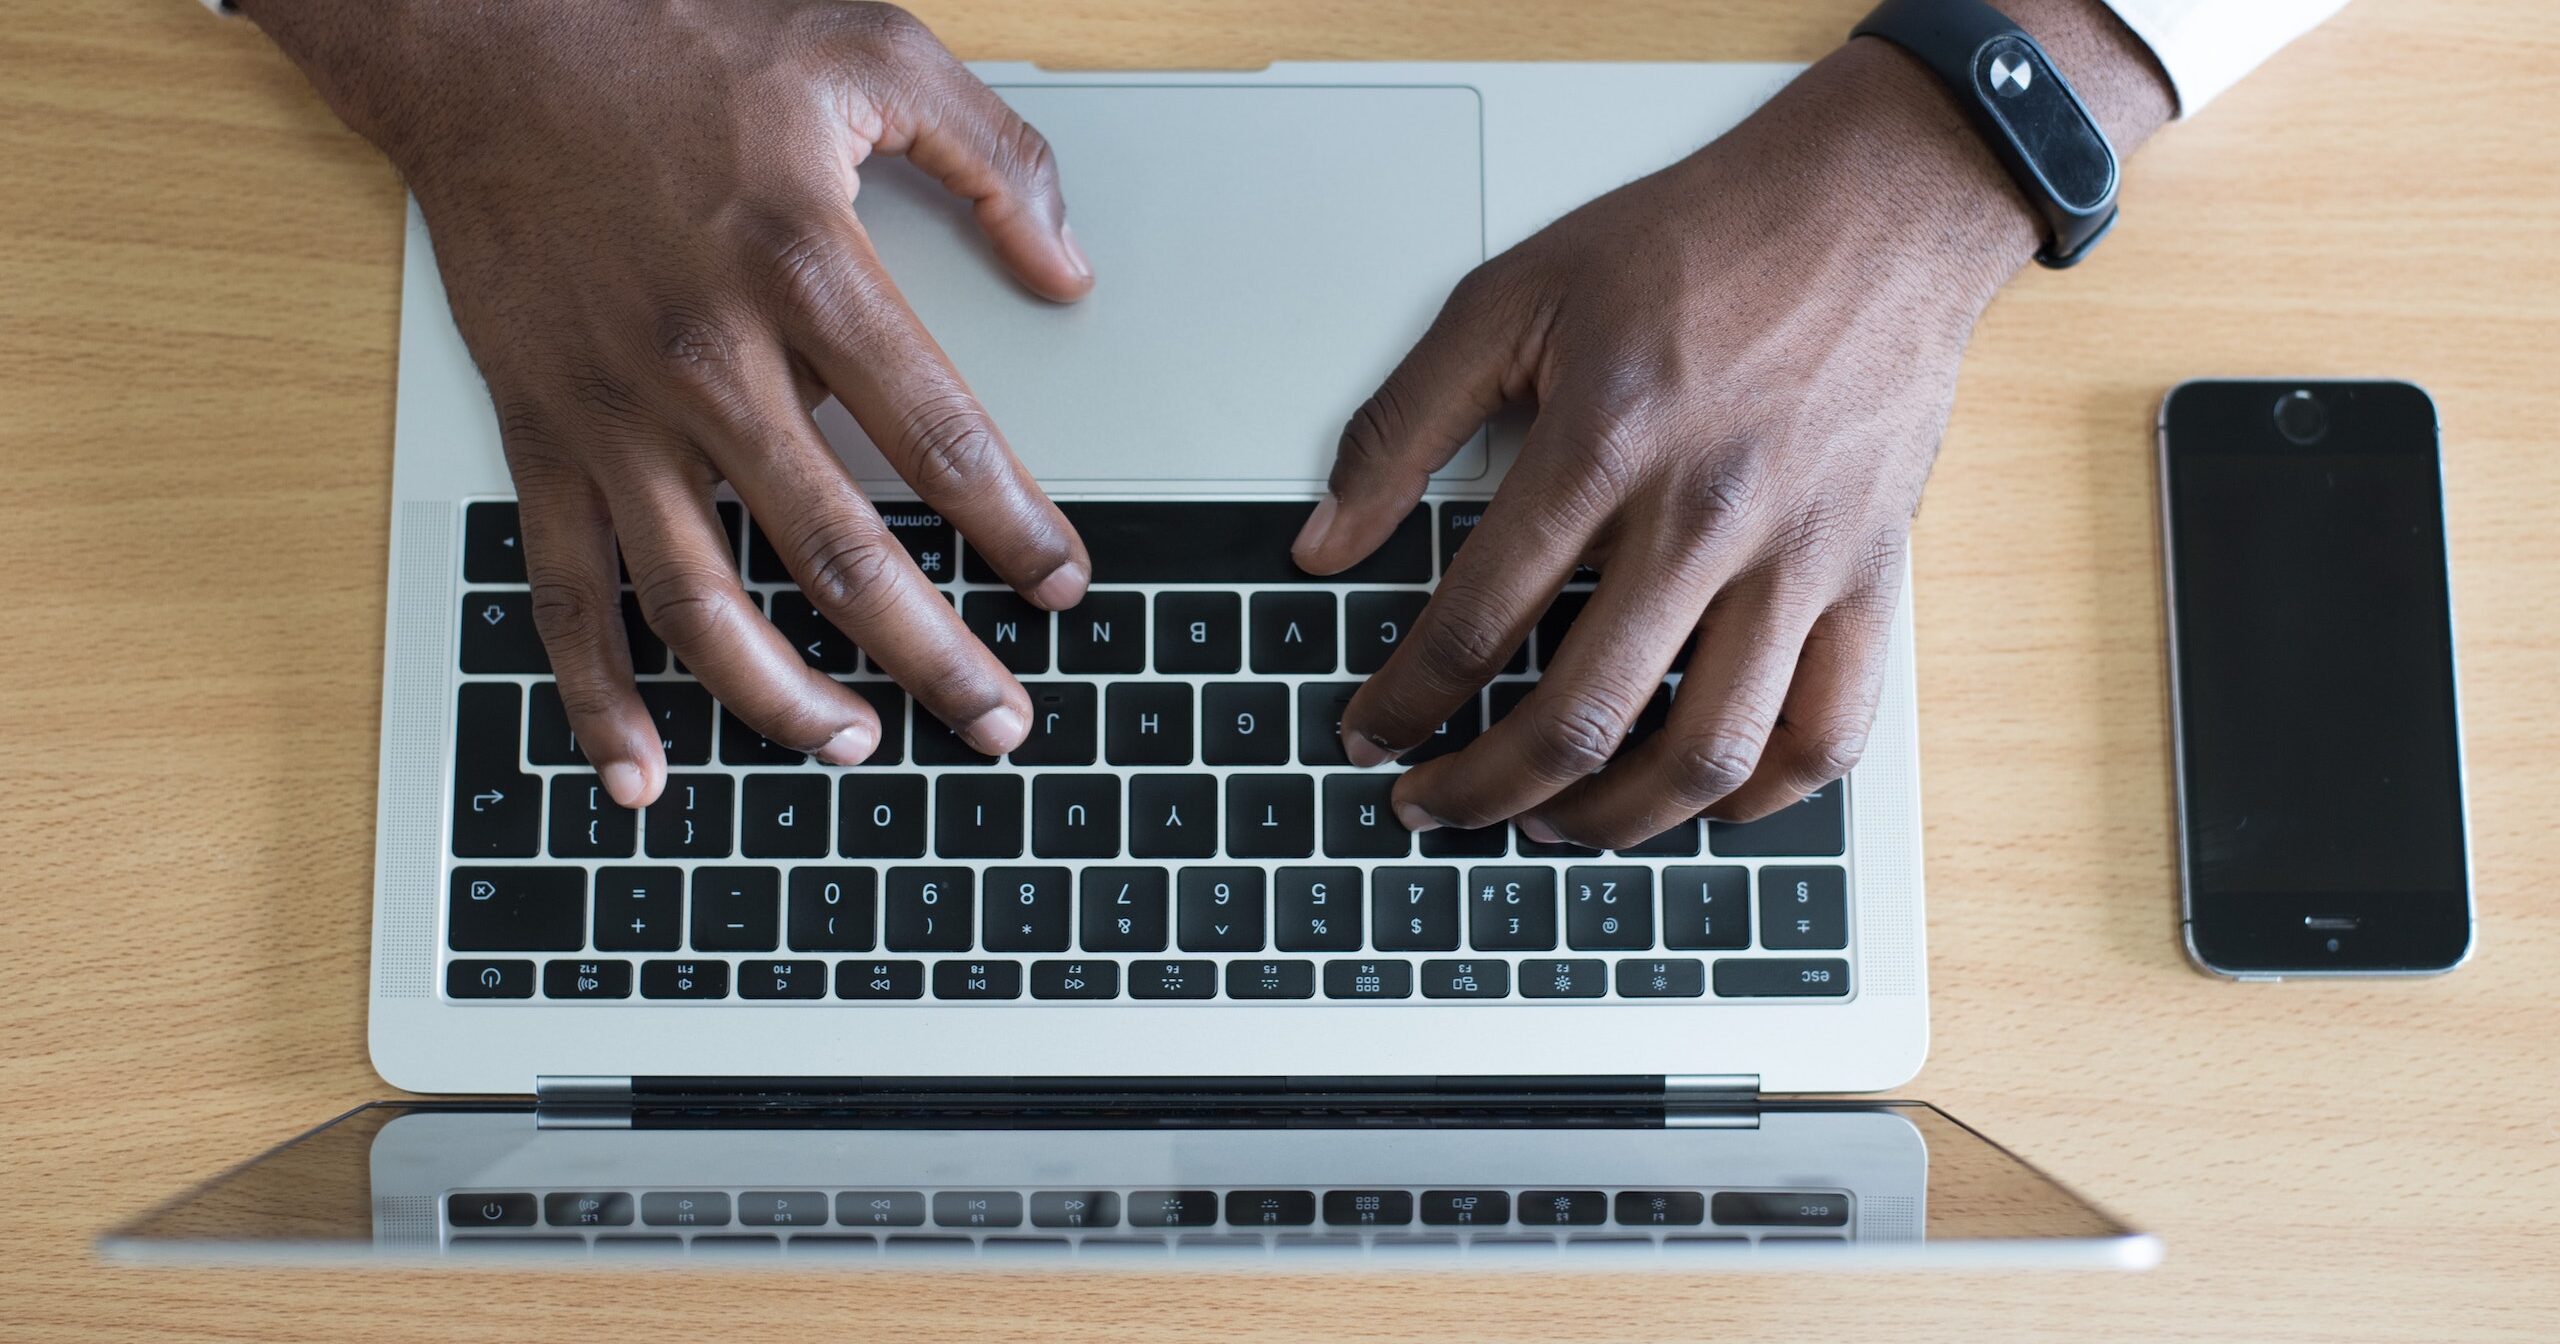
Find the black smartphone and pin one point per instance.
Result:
(2321, 817)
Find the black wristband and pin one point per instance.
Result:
(2025, 110)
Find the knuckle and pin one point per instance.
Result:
(802, 266)
(1712, 764)
(1369, 436)
(1463, 641)
(849, 572)
(1024, 155)
(570, 619)
(686, 608)
(1722, 502)
(1574, 732)
(948, 443)
(878, 24)
(1831, 748)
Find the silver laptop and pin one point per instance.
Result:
(1173, 935)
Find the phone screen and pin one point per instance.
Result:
(2313, 630)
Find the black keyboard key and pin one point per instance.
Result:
(1244, 723)
(1454, 734)
(1123, 909)
(1771, 1208)
(497, 808)
(1810, 977)
(1368, 1208)
(517, 910)
(1106, 632)
(1661, 978)
(1148, 723)
(648, 652)
(1075, 1208)
(1563, 1208)
(1271, 1208)
(815, 638)
(1075, 979)
(1173, 1208)
(1679, 842)
(938, 743)
(1011, 628)
(1660, 1208)
(1199, 632)
(879, 979)
(1271, 816)
(742, 745)
(928, 910)
(764, 563)
(736, 909)
(1320, 721)
(548, 739)
(733, 524)
(1550, 849)
(977, 1208)
(1317, 910)
(928, 537)
(1294, 633)
(571, 979)
(691, 818)
(587, 1209)
(492, 548)
(880, 816)
(1360, 818)
(639, 909)
(890, 704)
(498, 635)
(1173, 816)
(490, 1210)
(1075, 816)
(1368, 979)
(784, 817)
(1271, 979)
(1706, 908)
(1818, 827)
(1222, 909)
(682, 711)
(1458, 519)
(1028, 909)
(977, 817)
(680, 979)
(1222, 542)
(1173, 979)
(1483, 842)
(1465, 1208)
(1557, 622)
(1608, 909)
(1414, 909)
(977, 979)
(1062, 724)
(1512, 909)
(833, 909)
(1571, 978)
(1804, 908)
(488, 979)
(782, 979)
(586, 823)
(880, 1208)
(1374, 624)
(1466, 979)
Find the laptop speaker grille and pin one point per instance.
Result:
(413, 728)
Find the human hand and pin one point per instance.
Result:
(644, 219)
(1741, 367)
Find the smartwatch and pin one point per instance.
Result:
(2023, 107)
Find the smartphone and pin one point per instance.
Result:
(2322, 827)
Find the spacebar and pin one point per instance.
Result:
(1221, 541)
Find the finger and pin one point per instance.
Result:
(687, 584)
(851, 325)
(860, 576)
(950, 124)
(1461, 371)
(1578, 716)
(577, 605)
(1822, 726)
(1497, 586)
(1720, 721)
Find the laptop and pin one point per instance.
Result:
(1177, 906)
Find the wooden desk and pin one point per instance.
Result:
(197, 294)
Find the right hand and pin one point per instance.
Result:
(643, 217)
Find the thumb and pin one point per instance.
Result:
(958, 130)
(1418, 419)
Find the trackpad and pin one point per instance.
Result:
(1263, 257)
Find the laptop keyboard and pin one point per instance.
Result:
(1180, 825)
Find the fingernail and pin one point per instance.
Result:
(1415, 819)
(1319, 523)
(996, 732)
(1062, 588)
(1364, 750)
(625, 781)
(850, 747)
(1075, 254)
(1536, 828)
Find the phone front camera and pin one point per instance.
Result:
(2300, 417)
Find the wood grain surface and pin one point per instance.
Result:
(198, 291)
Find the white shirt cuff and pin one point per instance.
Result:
(2207, 45)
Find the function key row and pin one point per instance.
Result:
(1073, 1210)
(1110, 909)
(967, 979)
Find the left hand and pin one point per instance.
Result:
(1741, 366)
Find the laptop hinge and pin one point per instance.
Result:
(582, 1102)
(1710, 1101)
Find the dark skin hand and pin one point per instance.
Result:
(644, 219)
(1740, 368)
